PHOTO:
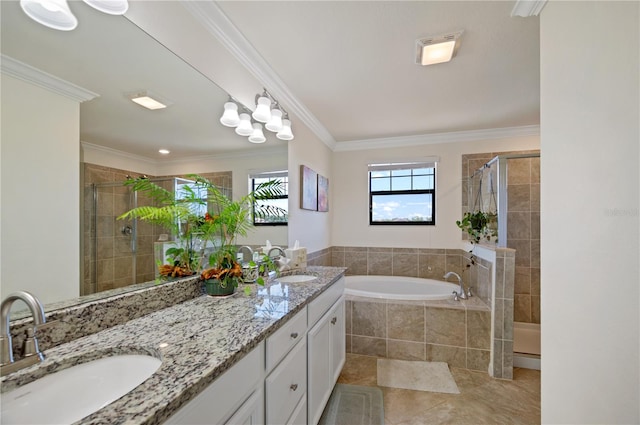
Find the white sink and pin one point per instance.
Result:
(296, 278)
(69, 395)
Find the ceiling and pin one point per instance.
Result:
(352, 64)
(346, 69)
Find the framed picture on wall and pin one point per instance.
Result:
(323, 193)
(308, 189)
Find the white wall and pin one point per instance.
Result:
(40, 192)
(589, 212)
(351, 197)
(311, 228)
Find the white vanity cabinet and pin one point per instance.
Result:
(326, 353)
(235, 397)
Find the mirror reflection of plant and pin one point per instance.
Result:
(176, 215)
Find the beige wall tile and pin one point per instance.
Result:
(518, 225)
(519, 198)
(445, 326)
(405, 264)
(431, 266)
(406, 322)
(454, 356)
(406, 350)
(379, 263)
(519, 171)
(522, 280)
(478, 329)
(356, 261)
(369, 346)
(522, 308)
(369, 319)
(478, 359)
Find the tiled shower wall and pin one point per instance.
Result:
(523, 226)
(113, 267)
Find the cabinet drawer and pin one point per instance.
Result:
(325, 300)
(279, 344)
(299, 416)
(286, 385)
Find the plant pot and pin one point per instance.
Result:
(214, 287)
(249, 273)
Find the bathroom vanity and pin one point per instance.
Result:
(269, 357)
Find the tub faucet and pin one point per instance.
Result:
(461, 294)
(32, 353)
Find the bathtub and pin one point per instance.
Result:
(398, 288)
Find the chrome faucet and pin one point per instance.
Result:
(32, 353)
(246, 250)
(277, 249)
(457, 295)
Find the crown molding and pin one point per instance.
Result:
(163, 162)
(29, 74)
(526, 8)
(436, 138)
(209, 14)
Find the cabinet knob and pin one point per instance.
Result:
(294, 335)
(334, 320)
(293, 387)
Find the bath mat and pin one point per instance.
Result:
(354, 405)
(419, 376)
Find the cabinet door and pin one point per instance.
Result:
(338, 349)
(319, 367)
(251, 412)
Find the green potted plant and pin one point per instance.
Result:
(479, 225)
(226, 220)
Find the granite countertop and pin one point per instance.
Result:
(197, 341)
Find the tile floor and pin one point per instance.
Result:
(482, 400)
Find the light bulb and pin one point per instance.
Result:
(285, 133)
(230, 116)
(244, 128)
(263, 110)
(275, 123)
(257, 136)
(112, 7)
(50, 13)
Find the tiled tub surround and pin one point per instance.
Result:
(491, 277)
(456, 332)
(196, 340)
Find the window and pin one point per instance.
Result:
(402, 193)
(280, 201)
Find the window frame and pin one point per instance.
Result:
(270, 175)
(403, 166)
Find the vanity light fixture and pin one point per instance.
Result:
(439, 49)
(57, 15)
(112, 7)
(50, 13)
(230, 116)
(248, 123)
(257, 136)
(149, 101)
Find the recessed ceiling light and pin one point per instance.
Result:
(164, 151)
(433, 50)
(148, 100)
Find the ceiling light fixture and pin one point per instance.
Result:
(267, 110)
(148, 100)
(57, 15)
(440, 49)
(164, 151)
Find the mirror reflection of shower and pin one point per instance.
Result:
(120, 253)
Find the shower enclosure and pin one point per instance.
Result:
(509, 185)
(120, 253)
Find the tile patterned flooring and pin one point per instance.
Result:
(482, 400)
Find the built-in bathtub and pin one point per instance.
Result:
(398, 288)
(526, 345)
(416, 319)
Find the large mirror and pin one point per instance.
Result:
(113, 58)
